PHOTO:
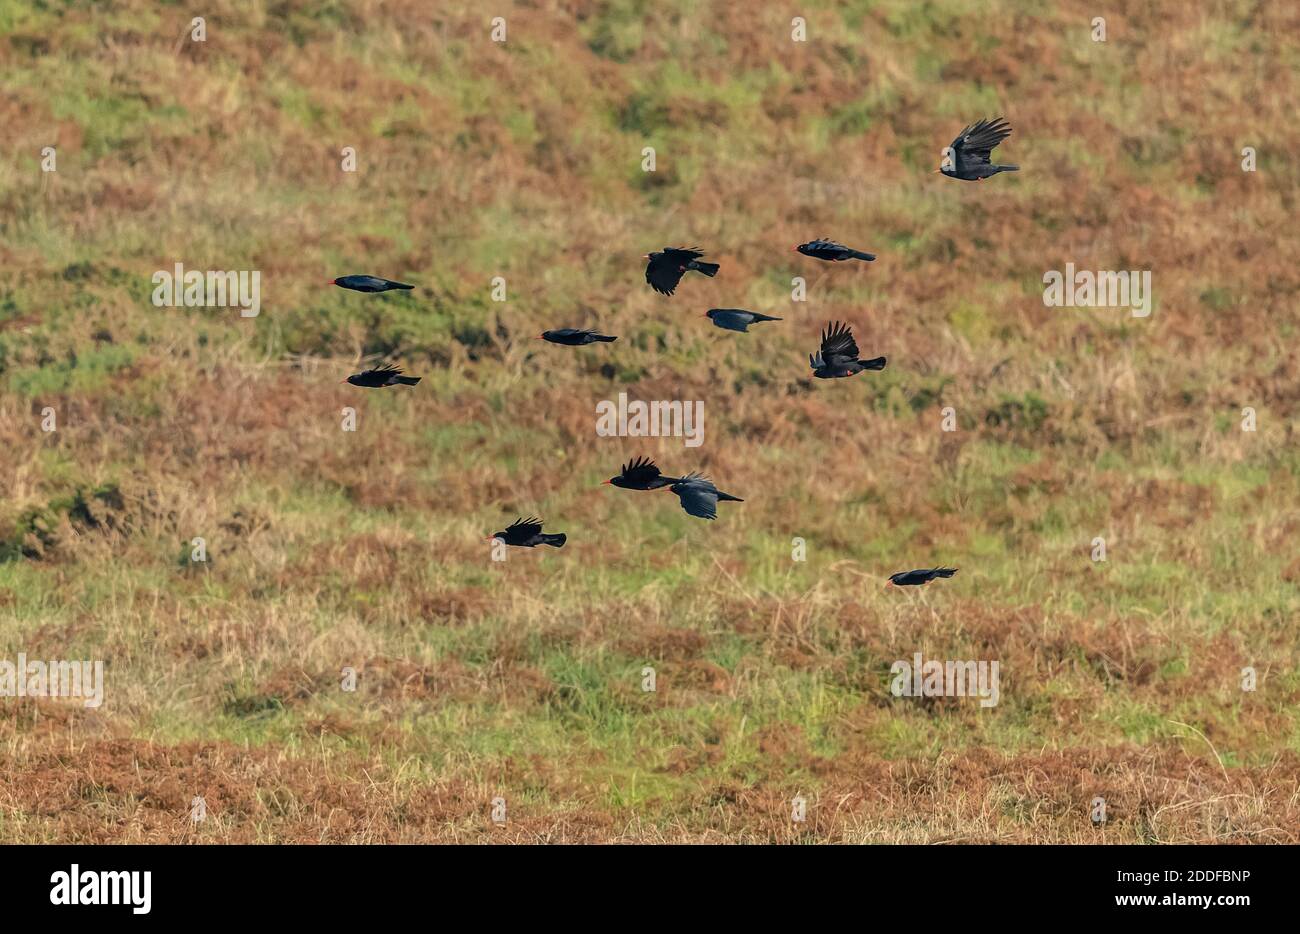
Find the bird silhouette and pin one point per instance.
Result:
(972, 151)
(368, 284)
(667, 267)
(736, 319)
(838, 356)
(916, 578)
(386, 375)
(527, 533)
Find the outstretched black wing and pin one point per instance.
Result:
(524, 528)
(698, 496)
(838, 345)
(666, 269)
(386, 369)
(974, 144)
(663, 275)
(641, 469)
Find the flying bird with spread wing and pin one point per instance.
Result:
(573, 337)
(839, 355)
(386, 375)
(527, 533)
(972, 152)
(640, 473)
(918, 577)
(699, 497)
(736, 319)
(832, 252)
(667, 267)
(368, 284)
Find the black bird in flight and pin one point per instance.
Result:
(839, 355)
(699, 497)
(527, 533)
(736, 319)
(972, 148)
(666, 269)
(642, 474)
(573, 337)
(368, 284)
(924, 576)
(386, 375)
(832, 252)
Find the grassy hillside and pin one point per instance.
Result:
(522, 679)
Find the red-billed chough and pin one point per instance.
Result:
(972, 151)
(368, 284)
(839, 355)
(736, 319)
(641, 474)
(923, 576)
(386, 375)
(666, 268)
(573, 337)
(832, 252)
(527, 533)
(699, 497)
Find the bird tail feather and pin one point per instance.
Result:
(407, 380)
(709, 269)
(402, 285)
(728, 498)
(859, 254)
(762, 317)
(1008, 168)
(556, 540)
(603, 337)
(945, 572)
(877, 364)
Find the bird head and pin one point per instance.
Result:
(351, 379)
(495, 535)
